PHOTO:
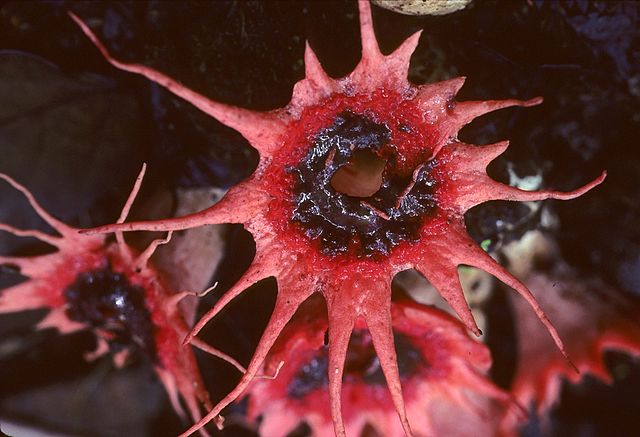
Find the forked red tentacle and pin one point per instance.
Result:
(473, 186)
(261, 129)
(462, 113)
(261, 268)
(469, 253)
(492, 190)
(287, 303)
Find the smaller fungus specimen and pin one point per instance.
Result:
(316, 232)
(443, 373)
(592, 318)
(90, 283)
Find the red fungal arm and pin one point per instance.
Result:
(260, 130)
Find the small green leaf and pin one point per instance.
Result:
(485, 244)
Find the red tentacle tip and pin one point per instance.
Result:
(534, 101)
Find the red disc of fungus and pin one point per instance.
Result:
(314, 238)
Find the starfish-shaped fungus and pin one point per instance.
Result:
(315, 234)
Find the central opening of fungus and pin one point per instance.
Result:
(106, 300)
(361, 365)
(361, 176)
(350, 196)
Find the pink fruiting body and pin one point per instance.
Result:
(90, 283)
(433, 177)
(592, 318)
(442, 369)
